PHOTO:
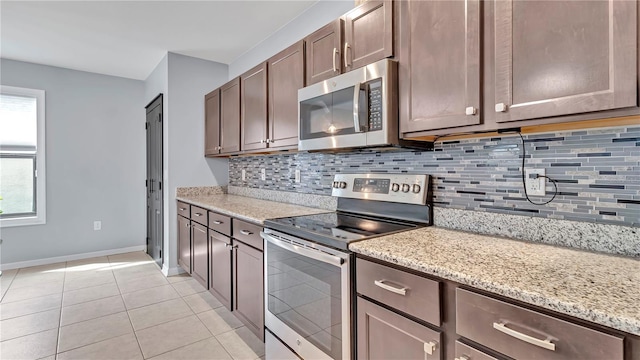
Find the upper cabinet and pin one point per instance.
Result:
(439, 64)
(364, 36)
(253, 103)
(212, 123)
(562, 57)
(368, 34)
(230, 117)
(286, 76)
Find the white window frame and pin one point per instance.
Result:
(41, 184)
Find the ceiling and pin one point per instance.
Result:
(129, 38)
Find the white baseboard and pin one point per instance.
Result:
(57, 259)
(167, 271)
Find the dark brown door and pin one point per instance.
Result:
(439, 64)
(200, 246)
(286, 76)
(220, 268)
(212, 123)
(184, 243)
(383, 334)
(564, 57)
(230, 117)
(253, 103)
(368, 34)
(249, 287)
(324, 52)
(155, 199)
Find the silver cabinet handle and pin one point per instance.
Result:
(356, 108)
(346, 46)
(246, 232)
(430, 347)
(187, 225)
(335, 52)
(393, 289)
(501, 107)
(461, 357)
(183, 209)
(471, 110)
(217, 222)
(198, 214)
(545, 344)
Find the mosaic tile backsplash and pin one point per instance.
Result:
(597, 172)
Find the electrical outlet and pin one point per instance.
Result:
(97, 225)
(244, 175)
(297, 172)
(535, 182)
(263, 174)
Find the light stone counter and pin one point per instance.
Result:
(244, 208)
(603, 289)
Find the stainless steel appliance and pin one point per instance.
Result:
(355, 109)
(309, 269)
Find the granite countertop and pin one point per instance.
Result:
(603, 289)
(244, 208)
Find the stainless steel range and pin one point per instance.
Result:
(309, 269)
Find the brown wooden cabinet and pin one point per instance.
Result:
(184, 243)
(248, 273)
(220, 279)
(253, 105)
(200, 254)
(324, 52)
(212, 123)
(368, 34)
(564, 57)
(439, 64)
(230, 117)
(286, 76)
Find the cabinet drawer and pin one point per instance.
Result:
(220, 223)
(248, 233)
(183, 209)
(199, 215)
(522, 333)
(464, 351)
(412, 294)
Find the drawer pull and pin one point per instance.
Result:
(393, 289)
(183, 209)
(246, 232)
(546, 344)
(462, 357)
(430, 347)
(217, 222)
(198, 214)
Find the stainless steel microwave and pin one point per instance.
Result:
(356, 109)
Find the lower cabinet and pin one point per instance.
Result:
(200, 253)
(248, 273)
(383, 334)
(220, 267)
(184, 243)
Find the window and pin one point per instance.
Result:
(22, 156)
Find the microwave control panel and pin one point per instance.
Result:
(375, 105)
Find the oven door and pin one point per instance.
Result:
(308, 296)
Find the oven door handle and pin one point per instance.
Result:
(317, 255)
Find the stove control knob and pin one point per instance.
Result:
(343, 185)
(405, 188)
(335, 185)
(395, 187)
(416, 188)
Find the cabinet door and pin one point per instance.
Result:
(564, 57)
(200, 253)
(212, 123)
(439, 64)
(184, 243)
(249, 287)
(220, 267)
(324, 52)
(253, 103)
(286, 76)
(383, 334)
(368, 33)
(230, 117)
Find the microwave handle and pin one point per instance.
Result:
(356, 107)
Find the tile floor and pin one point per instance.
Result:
(115, 307)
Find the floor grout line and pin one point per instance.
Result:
(55, 354)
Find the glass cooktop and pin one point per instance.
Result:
(336, 229)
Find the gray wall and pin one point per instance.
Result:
(318, 15)
(95, 163)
